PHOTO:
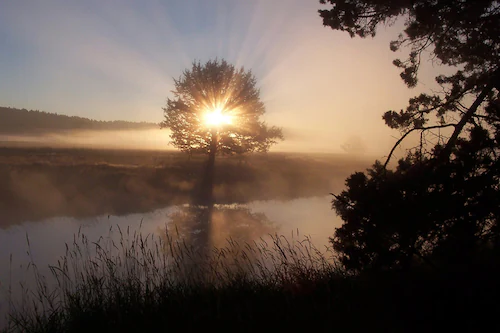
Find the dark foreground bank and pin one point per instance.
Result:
(277, 285)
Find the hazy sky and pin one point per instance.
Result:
(110, 60)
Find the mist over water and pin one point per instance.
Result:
(153, 139)
(297, 141)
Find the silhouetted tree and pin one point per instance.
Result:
(217, 108)
(464, 34)
(422, 212)
(440, 203)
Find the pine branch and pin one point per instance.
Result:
(408, 133)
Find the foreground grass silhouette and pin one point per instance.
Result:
(151, 283)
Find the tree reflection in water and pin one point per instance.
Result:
(204, 239)
(214, 226)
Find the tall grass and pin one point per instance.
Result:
(159, 283)
(151, 282)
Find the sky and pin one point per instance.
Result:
(116, 60)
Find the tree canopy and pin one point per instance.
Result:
(441, 200)
(216, 100)
(442, 215)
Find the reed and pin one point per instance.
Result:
(149, 282)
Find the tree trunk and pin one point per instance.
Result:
(208, 179)
(494, 82)
(207, 199)
(213, 149)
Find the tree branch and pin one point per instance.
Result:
(488, 118)
(445, 154)
(343, 200)
(407, 133)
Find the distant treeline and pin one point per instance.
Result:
(22, 122)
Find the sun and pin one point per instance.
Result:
(217, 118)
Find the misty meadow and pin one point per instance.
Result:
(249, 166)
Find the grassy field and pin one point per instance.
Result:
(40, 182)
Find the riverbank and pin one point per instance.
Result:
(281, 285)
(39, 183)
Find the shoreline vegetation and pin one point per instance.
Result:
(152, 283)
